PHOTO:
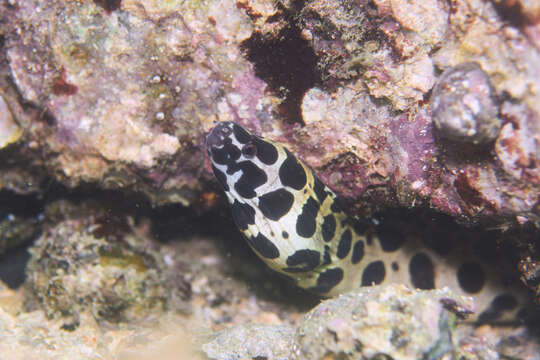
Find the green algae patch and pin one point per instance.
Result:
(117, 257)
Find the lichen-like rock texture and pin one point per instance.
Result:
(96, 264)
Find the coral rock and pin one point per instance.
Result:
(97, 265)
(464, 105)
(389, 322)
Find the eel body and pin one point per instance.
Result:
(299, 227)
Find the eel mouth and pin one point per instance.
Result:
(217, 136)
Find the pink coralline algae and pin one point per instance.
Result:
(518, 146)
(465, 141)
(391, 104)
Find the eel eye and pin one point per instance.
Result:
(249, 150)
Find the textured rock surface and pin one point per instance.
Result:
(31, 335)
(10, 131)
(122, 95)
(112, 291)
(400, 158)
(126, 94)
(388, 322)
(251, 342)
(97, 264)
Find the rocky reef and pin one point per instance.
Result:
(389, 322)
(121, 97)
(416, 105)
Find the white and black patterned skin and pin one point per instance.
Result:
(297, 226)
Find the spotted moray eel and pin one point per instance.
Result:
(298, 227)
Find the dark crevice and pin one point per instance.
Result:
(25, 216)
(20, 205)
(512, 14)
(108, 5)
(19, 226)
(297, 5)
(169, 224)
(13, 266)
(288, 64)
(172, 222)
